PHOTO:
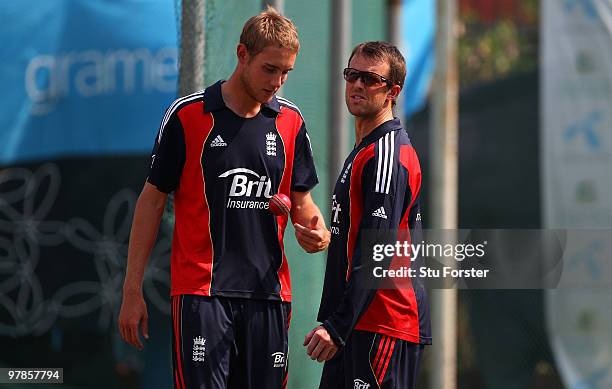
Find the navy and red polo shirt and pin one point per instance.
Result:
(378, 190)
(223, 169)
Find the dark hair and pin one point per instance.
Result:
(386, 52)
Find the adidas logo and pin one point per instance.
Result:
(380, 212)
(218, 142)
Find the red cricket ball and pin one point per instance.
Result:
(280, 205)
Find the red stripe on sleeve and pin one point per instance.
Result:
(409, 159)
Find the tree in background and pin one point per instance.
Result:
(497, 38)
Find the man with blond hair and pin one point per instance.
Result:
(224, 152)
(372, 331)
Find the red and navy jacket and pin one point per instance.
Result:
(378, 190)
(223, 169)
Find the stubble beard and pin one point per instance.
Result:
(364, 112)
(249, 90)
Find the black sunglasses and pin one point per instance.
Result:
(369, 79)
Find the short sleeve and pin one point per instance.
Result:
(304, 175)
(168, 156)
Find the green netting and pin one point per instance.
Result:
(307, 86)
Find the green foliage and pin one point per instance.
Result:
(489, 51)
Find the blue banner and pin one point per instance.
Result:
(418, 32)
(84, 77)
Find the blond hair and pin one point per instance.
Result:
(269, 28)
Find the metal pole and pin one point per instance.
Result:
(394, 14)
(279, 5)
(191, 63)
(394, 36)
(338, 121)
(444, 150)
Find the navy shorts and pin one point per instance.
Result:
(373, 361)
(232, 343)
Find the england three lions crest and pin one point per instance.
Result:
(271, 144)
(199, 349)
